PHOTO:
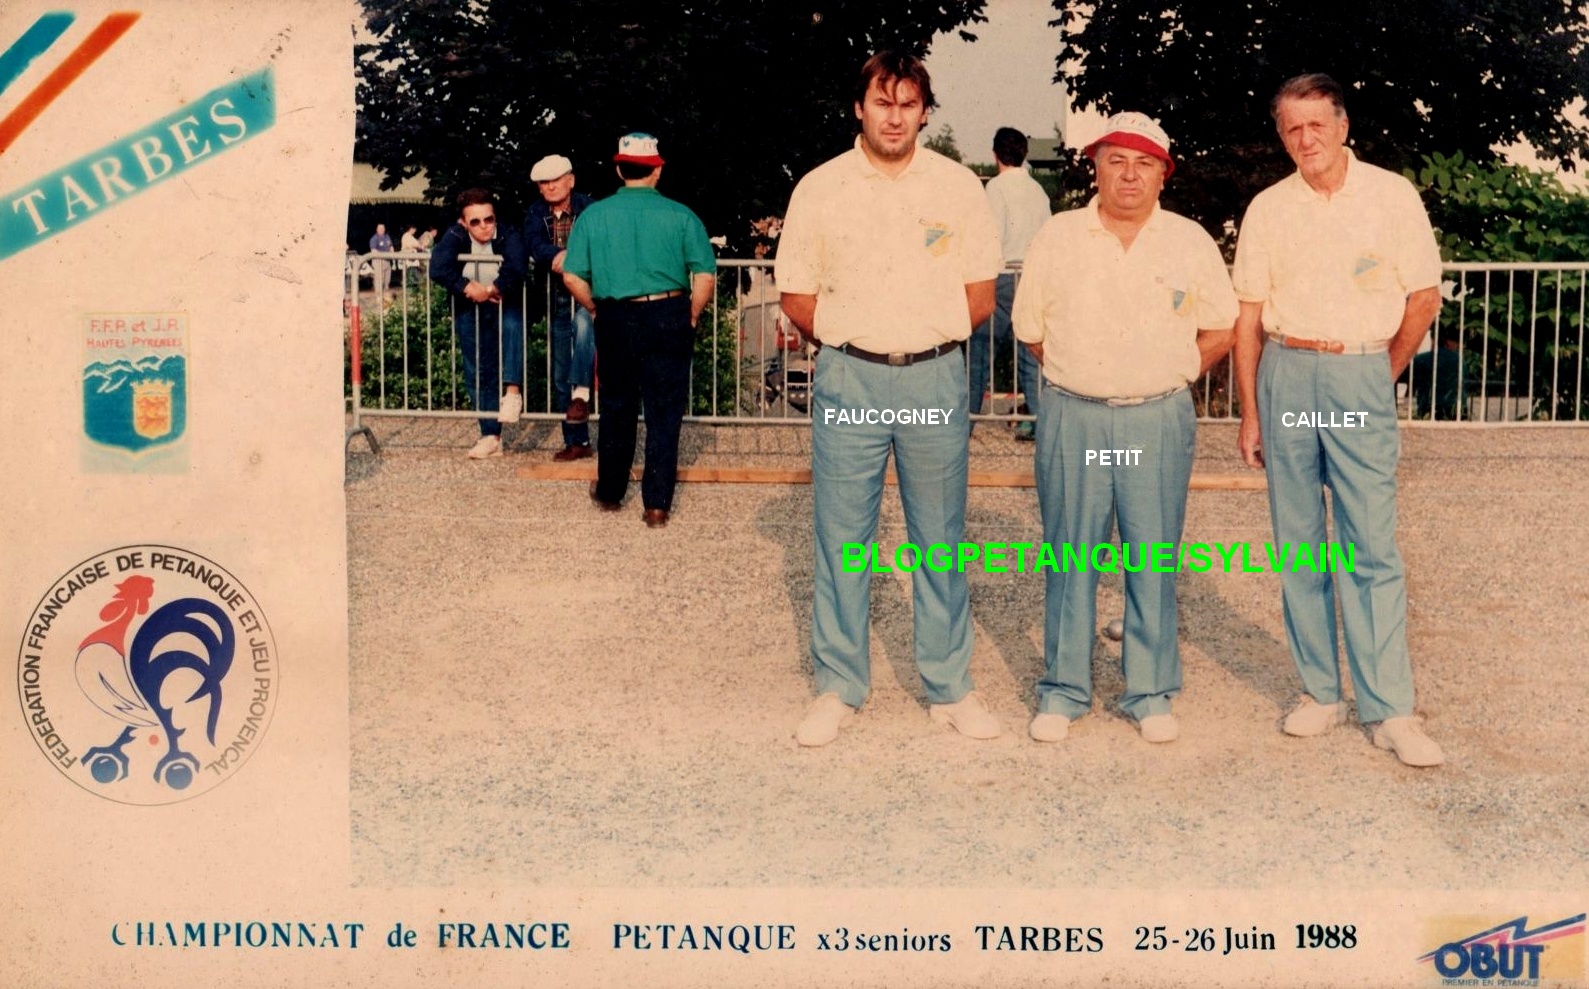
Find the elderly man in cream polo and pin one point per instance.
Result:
(1338, 265)
(1124, 305)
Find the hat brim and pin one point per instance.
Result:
(640, 159)
(1136, 142)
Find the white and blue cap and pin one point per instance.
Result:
(639, 148)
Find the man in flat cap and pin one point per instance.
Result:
(643, 266)
(888, 258)
(1338, 266)
(572, 339)
(1125, 305)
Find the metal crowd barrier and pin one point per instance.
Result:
(1507, 348)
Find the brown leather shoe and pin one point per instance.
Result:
(580, 452)
(578, 410)
(606, 506)
(656, 518)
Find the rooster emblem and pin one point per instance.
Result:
(179, 655)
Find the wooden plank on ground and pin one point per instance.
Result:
(802, 475)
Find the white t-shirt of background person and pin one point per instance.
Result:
(1020, 208)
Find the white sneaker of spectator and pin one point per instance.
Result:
(486, 446)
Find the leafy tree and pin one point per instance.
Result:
(1518, 332)
(1421, 76)
(1490, 211)
(943, 142)
(745, 95)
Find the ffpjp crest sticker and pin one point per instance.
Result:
(1368, 270)
(936, 237)
(135, 392)
(147, 674)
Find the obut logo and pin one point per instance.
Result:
(147, 674)
(1478, 951)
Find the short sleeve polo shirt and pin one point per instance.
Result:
(1337, 267)
(637, 242)
(1117, 323)
(888, 258)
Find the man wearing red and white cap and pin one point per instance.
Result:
(643, 266)
(1124, 305)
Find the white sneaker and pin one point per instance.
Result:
(1405, 737)
(486, 446)
(1159, 728)
(1310, 718)
(509, 408)
(1047, 727)
(968, 716)
(823, 720)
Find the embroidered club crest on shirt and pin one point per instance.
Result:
(937, 237)
(1367, 270)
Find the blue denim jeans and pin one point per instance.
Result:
(493, 357)
(998, 332)
(848, 462)
(573, 358)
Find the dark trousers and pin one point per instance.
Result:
(644, 349)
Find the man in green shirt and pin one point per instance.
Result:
(642, 264)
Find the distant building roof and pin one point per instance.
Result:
(367, 187)
(1044, 152)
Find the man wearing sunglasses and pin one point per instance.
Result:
(484, 269)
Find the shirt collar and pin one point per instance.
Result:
(864, 167)
(1154, 221)
(1353, 183)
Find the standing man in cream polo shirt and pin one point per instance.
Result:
(1125, 305)
(887, 259)
(1338, 264)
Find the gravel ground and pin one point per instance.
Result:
(543, 694)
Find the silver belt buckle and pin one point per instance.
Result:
(1121, 403)
(898, 360)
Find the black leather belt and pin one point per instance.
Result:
(900, 360)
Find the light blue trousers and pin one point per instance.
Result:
(848, 462)
(1358, 465)
(1080, 503)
